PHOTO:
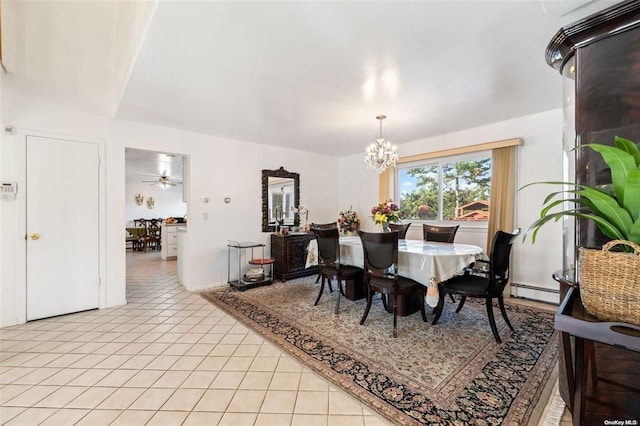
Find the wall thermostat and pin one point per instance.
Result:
(8, 191)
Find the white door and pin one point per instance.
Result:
(62, 227)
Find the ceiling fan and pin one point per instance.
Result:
(162, 180)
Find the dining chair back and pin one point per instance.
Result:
(329, 265)
(402, 229)
(331, 225)
(442, 234)
(153, 236)
(315, 226)
(141, 224)
(487, 283)
(380, 251)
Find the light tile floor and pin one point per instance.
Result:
(168, 357)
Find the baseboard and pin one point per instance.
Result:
(554, 410)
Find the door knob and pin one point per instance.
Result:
(35, 236)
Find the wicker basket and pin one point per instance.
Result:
(610, 282)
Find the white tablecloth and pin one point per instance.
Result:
(417, 259)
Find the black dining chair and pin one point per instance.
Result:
(329, 261)
(442, 234)
(402, 229)
(323, 225)
(381, 273)
(487, 284)
(313, 227)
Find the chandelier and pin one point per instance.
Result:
(381, 154)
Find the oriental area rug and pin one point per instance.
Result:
(450, 373)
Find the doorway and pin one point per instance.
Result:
(154, 192)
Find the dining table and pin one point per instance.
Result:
(422, 261)
(136, 232)
(427, 262)
(137, 237)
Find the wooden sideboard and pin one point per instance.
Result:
(290, 253)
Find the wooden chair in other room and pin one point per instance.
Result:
(442, 234)
(381, 273)
(141, 223)
(329, 261)
(136, 241)
(315, 226)
(153, 237)
(487, 284)
(401, 228)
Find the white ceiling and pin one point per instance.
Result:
(308, 75)
(314, 75)
(142, 165)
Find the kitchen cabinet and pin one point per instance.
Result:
(169, 241)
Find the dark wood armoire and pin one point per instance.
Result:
(599, 60)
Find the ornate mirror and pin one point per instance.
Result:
(280, 192)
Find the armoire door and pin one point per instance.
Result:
(62, 226)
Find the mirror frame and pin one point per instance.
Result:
(280, 173)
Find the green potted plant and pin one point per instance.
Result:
(608, 280)
(615, 210)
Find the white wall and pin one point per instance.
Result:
(13, 213)
(168, 201)
(33, 112)
(222, 168)
(60, 52)
(130, 22)
(219, 168)
(540, 159)
(10, 236)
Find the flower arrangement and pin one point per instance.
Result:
(348, 220)
(386, 212)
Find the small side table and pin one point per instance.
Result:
(243, 282)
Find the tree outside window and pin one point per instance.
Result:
(446, 190)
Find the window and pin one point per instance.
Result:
(448, 188)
